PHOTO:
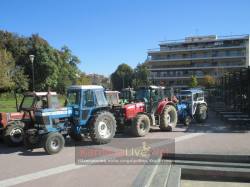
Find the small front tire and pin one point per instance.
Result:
(53, 143)
(187, 120)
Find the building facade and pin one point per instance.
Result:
(176, 61)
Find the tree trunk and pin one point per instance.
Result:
(17, 107)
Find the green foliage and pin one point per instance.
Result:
(193, 82)
(6, 65)
(19, 79)
(53, 68)
(208, 81)
(84, 79)
(122, 77)
(141, 74)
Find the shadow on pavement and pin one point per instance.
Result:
(21, 150)
(215, 125)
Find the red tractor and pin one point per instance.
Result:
(12, 124)
(153, 106)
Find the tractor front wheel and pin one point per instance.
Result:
(53, 143)
(168, 118)
(13, 133)
(187, 120)
(103, 127)
(141, 125)
(201, 113)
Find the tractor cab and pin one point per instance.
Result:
(192, 98)
(85, 100)
(113, 98)
(192, 105)
(151, 95)
(147, 93)
(127, 95)
(38, 100)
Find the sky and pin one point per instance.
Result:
(106, 33)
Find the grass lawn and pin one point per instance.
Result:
(8, 104)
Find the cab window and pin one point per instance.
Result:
(100, 98)
(88, 100)
(73, 98)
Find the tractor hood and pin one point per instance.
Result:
(10, 116)
(60, 112)
(131, 110)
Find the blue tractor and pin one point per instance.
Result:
(86, 114)
(192, 106)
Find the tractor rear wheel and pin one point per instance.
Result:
(168, 118)
(201, 113)
(13, 133)
(53, 143)
(103, 127)
(141, 125)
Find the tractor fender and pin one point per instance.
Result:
(162, 105)
(94, 113)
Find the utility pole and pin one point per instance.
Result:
(33, 76)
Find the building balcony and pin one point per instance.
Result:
(176, 59)
(179, 77)
(198, 67)
(164, 50)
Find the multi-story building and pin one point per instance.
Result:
(176, 61)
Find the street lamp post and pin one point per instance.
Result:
(33, 76)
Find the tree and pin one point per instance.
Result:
(122, 77)
(141, 74)
(20, 82)
(6, 64)
(83, 79)
(208, 81)
(193, 82)
(53, 68)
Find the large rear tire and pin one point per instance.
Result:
(141, 125)
(13, 134)
(53, 143)
(168, 118)
(201, 113)
(103, 127)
